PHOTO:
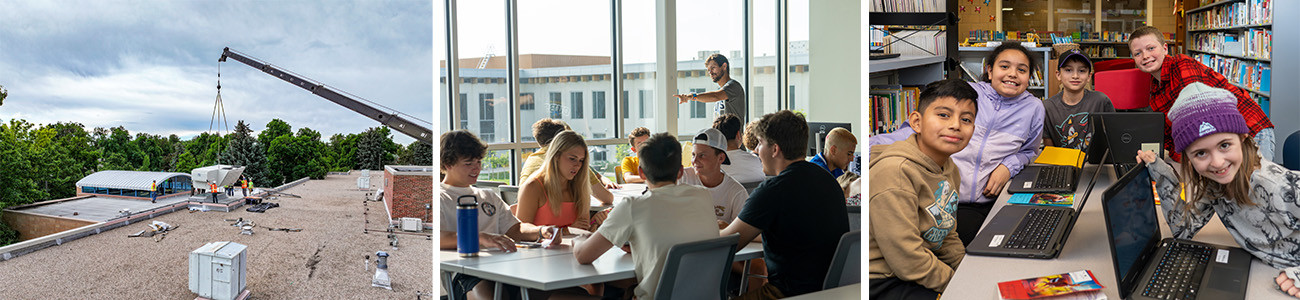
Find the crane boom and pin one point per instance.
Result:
(392, 120)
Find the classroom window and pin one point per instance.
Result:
(555, 105)
(697, 107)
(486, 115)
(645, 105)
(526, 102)
(464, 110)
(792, 99)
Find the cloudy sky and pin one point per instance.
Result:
(151, 66)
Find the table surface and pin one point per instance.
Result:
(852, 291)
(553, 268)
(1088, 247)
(626, 190)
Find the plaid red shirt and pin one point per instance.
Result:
(1180, 70)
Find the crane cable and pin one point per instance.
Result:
(218, 113)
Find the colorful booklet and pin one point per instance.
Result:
(1077, 285)
(1049, 199)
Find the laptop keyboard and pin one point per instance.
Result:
(1053, 178)
(1035, 229)
(1178, 276)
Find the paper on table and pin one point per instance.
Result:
(1061, 157)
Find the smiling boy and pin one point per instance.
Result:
(1068, 112)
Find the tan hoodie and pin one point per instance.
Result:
(912, 224)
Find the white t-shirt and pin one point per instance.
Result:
(493, 214)
(745, 167)
(654, 222)
(728, 197)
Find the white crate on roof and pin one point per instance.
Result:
(218, 270)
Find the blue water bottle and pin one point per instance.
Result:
(467, 226)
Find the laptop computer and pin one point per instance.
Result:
(1029, 231)
(1040, 178)
(1124, 133)
(1148, 267)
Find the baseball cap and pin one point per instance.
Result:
(1073, 54)
(712, 137)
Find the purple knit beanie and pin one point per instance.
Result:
(1201, 110)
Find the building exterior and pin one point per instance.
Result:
(408, 192)
(133, 184)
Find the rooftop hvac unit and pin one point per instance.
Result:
(217, 270)
(363, 183)
(411, 224)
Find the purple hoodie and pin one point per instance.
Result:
(1008, 131)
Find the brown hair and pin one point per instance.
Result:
(636, 133)
(1147, 30)
(661, 158)
(786, 129)
(456, 145)
(750, 140)
(1238, 190)
(546, 129)
(728, 124)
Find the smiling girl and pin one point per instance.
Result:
(1224, 173)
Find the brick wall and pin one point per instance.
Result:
(30, 226)
(407, 195)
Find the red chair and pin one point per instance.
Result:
(1113, 64)
(1127, 89)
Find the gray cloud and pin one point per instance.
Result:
(151, 65)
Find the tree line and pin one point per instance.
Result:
(44, 162)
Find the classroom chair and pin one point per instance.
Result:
(509, 194)
(1290, 156)
(698, 270)
(846, 265)
(618, 175)
(1127, 88)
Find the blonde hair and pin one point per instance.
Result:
(554, 181)
(840, 138)
(1238, 190)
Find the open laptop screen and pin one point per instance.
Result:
(1131, 219)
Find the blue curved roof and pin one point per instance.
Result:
(131, 180)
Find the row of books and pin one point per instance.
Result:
(1255, 43)
(910, 42)
(1251, 12)
(992, 35)
(889, 106)
(1100, 51)
(1248, 73)
(908, 6)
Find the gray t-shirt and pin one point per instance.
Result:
(735, 102)
(1068, 125)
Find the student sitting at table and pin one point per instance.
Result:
(631, 171)
(800, 213)
(744, 166)
(729, 196)
(914, 247)
(461, 160)
(666, 215)
(837, 152)
(545, 130)
(559, 195)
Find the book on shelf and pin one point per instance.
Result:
(1250, 12)
(1253, 43)
(1255, 75)
(908, 6)
(1079, 284)
(889, 106)
(913, 42)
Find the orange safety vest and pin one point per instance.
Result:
(212, 187)
(245, 184)
(153, 187)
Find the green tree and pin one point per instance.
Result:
(344, 150)
(418, 154)
(242, 150)
(3, 94)
(274, 129)
(290, 157)
(375, 148)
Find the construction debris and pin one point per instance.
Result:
(284, 229)
(157, 229)
(262, 207)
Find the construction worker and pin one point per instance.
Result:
(244, 187)
(153, 192)
(212, 187)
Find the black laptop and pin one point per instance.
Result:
(1041, 178)
(1124, 133)
(1029, 231)
(1148, 267)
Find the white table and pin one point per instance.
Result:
(852, 291)
(625, 191)
(554, 268)
(1088, 247)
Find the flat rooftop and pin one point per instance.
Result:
(100, 208)
(323, 261)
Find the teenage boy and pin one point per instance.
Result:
(1173, 73)
(708, 156)
(1068, 112)
(800, 213)
(631, 169)
(838, 151)
(666, 215)
(914, 247)
(730, 99)
(744, 167)
(545, 130)
(460, 162)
